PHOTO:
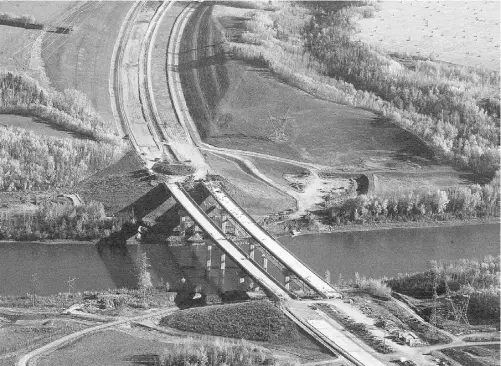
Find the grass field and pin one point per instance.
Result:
(36, 125)
(460, 32)
(317, 130)
(255, 103)
(106, 348)
(81, 59)
(16, 43)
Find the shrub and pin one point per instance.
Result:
(205, 352)
(375, 287)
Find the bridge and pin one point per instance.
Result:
(306, 318)
(242, 259)
(159, 130)
(285, 257)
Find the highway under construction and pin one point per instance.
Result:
(160, 132)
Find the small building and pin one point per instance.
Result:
(409, 338)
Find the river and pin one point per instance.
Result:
(376, 253)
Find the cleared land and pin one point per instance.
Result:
(106, 348)
(119, 186)
(81, 59)
(16, 43)
(253, 104)
(251, 193)
(460, 32)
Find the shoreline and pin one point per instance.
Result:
(394, 225)
(324, 230)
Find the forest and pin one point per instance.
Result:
(29, 161)
(311, 45)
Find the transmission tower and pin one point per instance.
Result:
(279, 125)
(459, 302)
(433, 317)
(71, 284)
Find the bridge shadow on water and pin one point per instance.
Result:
(183, 266)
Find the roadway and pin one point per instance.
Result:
(132, 92)
(290, 261)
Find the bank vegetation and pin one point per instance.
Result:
(52, 221)
(456, 203)
(479, 279)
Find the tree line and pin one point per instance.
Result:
(452, 203)
(53, 221)
(71, 110)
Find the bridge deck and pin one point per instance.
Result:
(267, 241)
(229, 247)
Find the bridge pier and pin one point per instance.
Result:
(241, 280)
(222, 267)
(265, 262)
(209, 261)
(224, 224)
(287, 279)
(252, 250)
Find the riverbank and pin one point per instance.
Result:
(325, 229)
(321, 229)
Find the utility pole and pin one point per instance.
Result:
(34, 286)
(71, 284)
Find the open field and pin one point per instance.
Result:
(36, 125)
(460, 32)
(16, 43)
(22, 330)
(81, 59)
(257, 104)
(109, 347)
(316, 130)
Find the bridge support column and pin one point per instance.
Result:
(252, 250)
(287, 279)
(223, 261)
(222, 267)
(224, 223)
(265, 262)
(241, 280)
(209, 261)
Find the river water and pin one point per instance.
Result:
(48, 267)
